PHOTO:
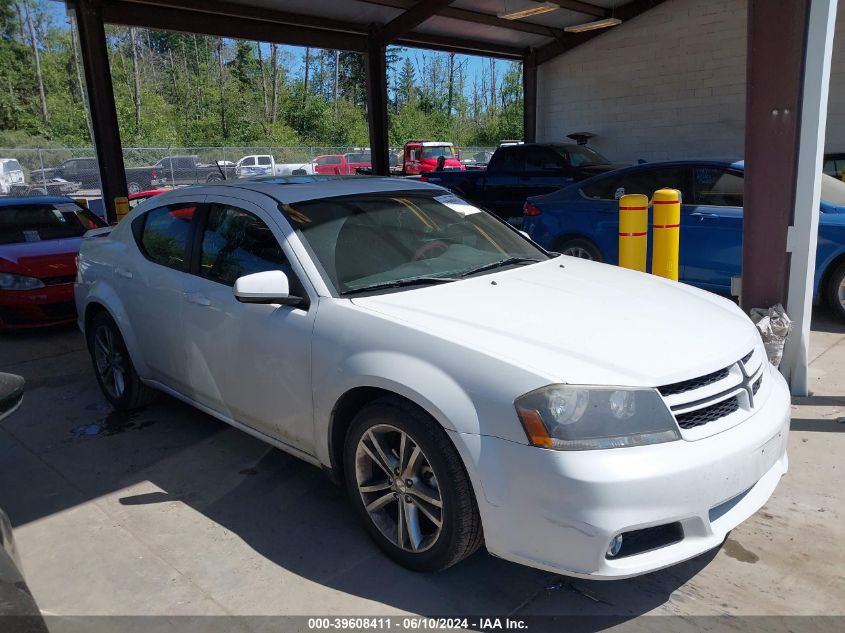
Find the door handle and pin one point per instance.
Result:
(197, 298)
(120, 271)
(701, 216)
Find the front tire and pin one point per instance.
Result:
(134, 187)
(579, 247)
(113, 367)
(835, 291)
(409, 486)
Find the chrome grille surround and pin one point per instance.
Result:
(713, 402)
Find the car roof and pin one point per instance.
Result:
(291, 189)
(33, 200)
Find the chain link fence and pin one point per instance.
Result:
(75, 171)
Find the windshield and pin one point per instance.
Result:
(580, 156)
(436, 151)
(833, 191)
(38, 222)
(371, 239)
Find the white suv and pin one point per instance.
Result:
(465, 385)
(11, 173)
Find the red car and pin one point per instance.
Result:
(39, 241)
(142, 196)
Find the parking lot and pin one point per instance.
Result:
(169, 512)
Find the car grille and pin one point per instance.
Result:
(707, 414)
(715, 396)
(694, 383)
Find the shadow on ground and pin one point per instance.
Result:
(65, 447)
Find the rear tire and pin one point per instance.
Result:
(431, 498)
(579, 247)
(135, 187)
(834, 291)
(113, 367)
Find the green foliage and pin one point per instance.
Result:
(189, 98)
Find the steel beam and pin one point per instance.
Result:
(228, 25)
(568, 41)
(476, 17)
(776, 47)
(410, 19)
(529, 99)
(375, 65)
(95, 62)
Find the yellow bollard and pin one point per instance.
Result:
(667, 233)
(633, 231)
(121, 207)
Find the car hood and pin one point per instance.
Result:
(49, 258)
(577, 321)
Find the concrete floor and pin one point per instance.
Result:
(171, 512)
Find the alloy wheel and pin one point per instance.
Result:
(399, 488)
(110, 362)
(841, 293)
(577, 251)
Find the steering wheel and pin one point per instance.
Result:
(423, 250)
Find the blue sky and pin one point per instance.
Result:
(473, 65)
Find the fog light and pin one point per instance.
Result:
(615, 545)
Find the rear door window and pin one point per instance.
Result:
(543, 159)
(163, 234)
(510, 159)
(718, 187)
(263, 160)
(647, 181)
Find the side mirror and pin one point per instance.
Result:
(11, 393)
(270, 286)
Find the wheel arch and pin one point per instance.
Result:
(572, 235)
(103, 298)
(827, 270)
(455, 411)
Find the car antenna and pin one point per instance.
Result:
(220, 169)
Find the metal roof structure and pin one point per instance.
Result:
(462, 26)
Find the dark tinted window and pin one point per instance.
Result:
(264, 160)
(647, 181)
(236, 243)
(717, 186)
(601, 188)
(543, 159)
(164, 235)
(509, 159)
(38, 222)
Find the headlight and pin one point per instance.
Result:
(579, 418)
(9, 281)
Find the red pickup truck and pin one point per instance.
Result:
(342, 164)
(424, 156)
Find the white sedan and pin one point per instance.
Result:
(466, 386)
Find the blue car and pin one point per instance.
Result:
(582, 220)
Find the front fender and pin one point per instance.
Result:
(424, 384)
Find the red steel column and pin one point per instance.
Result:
(776, 50)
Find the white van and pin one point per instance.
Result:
(11, 173)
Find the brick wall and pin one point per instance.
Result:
(668, 84)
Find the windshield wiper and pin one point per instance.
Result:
(499, 264)
(400, 283)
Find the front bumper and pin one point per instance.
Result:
(52, 305)
(559, 510)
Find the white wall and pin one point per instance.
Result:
(669, 84)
